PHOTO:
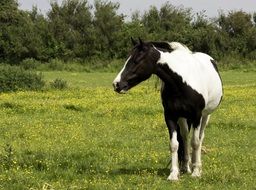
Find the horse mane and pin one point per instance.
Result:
(170, 46)
(163, 45)
(178, 45)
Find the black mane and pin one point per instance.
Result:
(165, 46)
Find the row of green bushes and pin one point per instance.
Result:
(79, 30)
(77, 65)
(13, 78)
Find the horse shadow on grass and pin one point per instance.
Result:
(162, 172)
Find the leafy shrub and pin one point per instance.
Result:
(76, 65)
(252, 55)
(56, 64)
(59, 84)
(16, 78)
(30, 64)
(101, 65)
(234, 61)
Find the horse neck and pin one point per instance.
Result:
(163, 71)
(167, 76)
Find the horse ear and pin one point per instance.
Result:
(141, 42)
(133, 41)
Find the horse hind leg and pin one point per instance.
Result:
(184, 148)
(196, 142)
(205, 121)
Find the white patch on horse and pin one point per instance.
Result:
(212, 81)
(118, 77)
(174, 175)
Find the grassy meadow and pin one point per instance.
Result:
(88, 137)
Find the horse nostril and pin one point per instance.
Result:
(120, 86)
(116, 86)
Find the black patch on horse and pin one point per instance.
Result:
(180, 99)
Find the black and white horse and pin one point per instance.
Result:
(191, 91)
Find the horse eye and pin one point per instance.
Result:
(135, 62)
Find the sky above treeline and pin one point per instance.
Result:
(127, 7)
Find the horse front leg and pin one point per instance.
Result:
(174, 146)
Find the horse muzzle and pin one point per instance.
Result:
(121, 87)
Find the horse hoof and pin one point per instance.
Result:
(186, 169)
(196, 173)
(174, 176)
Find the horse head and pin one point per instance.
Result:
(140, 65)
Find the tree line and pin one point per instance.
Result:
(78, 30)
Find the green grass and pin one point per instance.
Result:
(82, 79)
(88, 137)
